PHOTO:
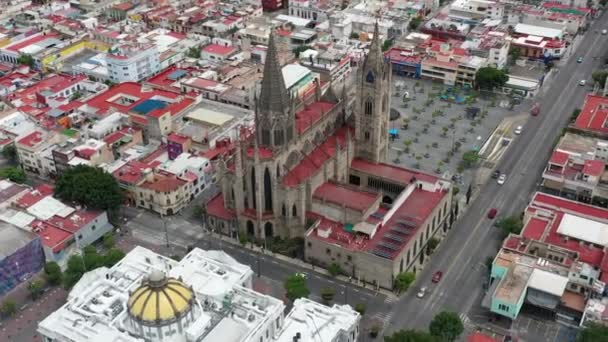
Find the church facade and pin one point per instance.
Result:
(286, 177)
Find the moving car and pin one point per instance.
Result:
(518, 130)
(437, 277)
(582, 82)
(502, 179)
(604, 31)
(496, 174)
(535, 109)
(579, 60)
(421, 293)
(492, 213)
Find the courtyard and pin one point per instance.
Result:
(437, 124)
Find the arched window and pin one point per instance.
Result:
(369, 105)
(384, 103)
(294, 211)
(278, 137)
(267, 191)
(253, 182)
(283, 210)
(367, 136)
(265, 137)
(250, 229)
(278, 171)
(268, 232)
(370, 77)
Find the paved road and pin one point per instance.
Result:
(472, 239)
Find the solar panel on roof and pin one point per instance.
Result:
(388, 246)
(393, 237)
(406, 223)
(382, 253)
(401, 230)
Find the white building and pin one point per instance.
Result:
(191, 167)
(205, 297)
(132, 62)
(476, 9)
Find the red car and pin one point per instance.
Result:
(535, 109)
(492, 213)
(437, 276)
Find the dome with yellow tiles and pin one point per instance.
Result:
(160, 300)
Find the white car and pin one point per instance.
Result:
(502, 179)
(518, 130)
(582, 82)
(421, 293)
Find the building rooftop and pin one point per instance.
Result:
(593, 115)
(350, 197)
(540, 31)
(13, 239)
(218, 49)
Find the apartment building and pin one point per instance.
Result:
(35, 152)
(476, 9)
(132, 62)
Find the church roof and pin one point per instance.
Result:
(273, 93)
(375, 56)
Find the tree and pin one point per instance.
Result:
(295, 285)
(9, 308)
(334, 269)
(112, 257)
(360, 308)
(108, 240)
(14, 174)
(489, 78)
(91, 258)
(26, 59)
(74, 272)
(76, 96)
(514, 54)
(415, 23)
(470, 158)
(53, 273)
(469, 193)
(10, 153)
(387, 45)
(328, 293)
(404, 280)
(35, 288)
(374, 331)
(354, 35)
(410, 336)
(600, 77)
(446, 326)
(593, 332)
(575, 114)
(89, 186)
(431, 245)
(194, 52)
(511, 224)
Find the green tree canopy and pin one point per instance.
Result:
(470, 158)
(91, 258)
(334, 269)
(9, 308)
(35, 288)
(10, 152)
(446, 326)
(14, 174)
(108, 240)
(387, 45)
(354, 35)
(328, 293)
(593, 333)
(404, 280)
(489, 78)
(74, 271)
(26, 59)
(411, 336)
(511, 224)
(295, 285)
(112, 257)
(600, 77)
(415, 23)
(89, 186)
(53, 273)
(194, 52)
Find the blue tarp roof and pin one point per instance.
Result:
(149, 105)
(177, 74)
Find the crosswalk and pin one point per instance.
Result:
(466, 321)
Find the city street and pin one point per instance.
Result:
(472, 239)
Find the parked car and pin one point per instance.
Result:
(582, 82)
(437, 277)
(518, 130)
(492, 213)
(502, 179)
(421, 293)
(496, 174)
(535, 109)
(579, 60)
(604, 31)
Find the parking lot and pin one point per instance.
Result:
(437, 124)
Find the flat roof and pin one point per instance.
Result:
(350, 197)
(209, 116)
(13, 239)
(541, 31)
(584, 229)
(293, 73)
(548, 282)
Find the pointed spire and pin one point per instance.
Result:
(273, 95)
(375, 49)
(317, 90)
(330, 94)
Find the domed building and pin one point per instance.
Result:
(161, 307)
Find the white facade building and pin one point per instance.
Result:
(477, 9)
(205, 297)
(132, 63)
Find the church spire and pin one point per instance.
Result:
(273, 94)
(375, 49)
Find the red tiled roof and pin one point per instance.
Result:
(131, 173)
(218, 49)
(75, 221)
(178, 138)
(535, 228)
(29, 41)
(593, 115)
(52, 237)
(352, 198)
(559, 158)
(311, 114)
(594, 167)
(397, 55)
(479, 337)
(391, 172)
(31, 139)
(32, 197)
(163, 183)
(215, 207)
